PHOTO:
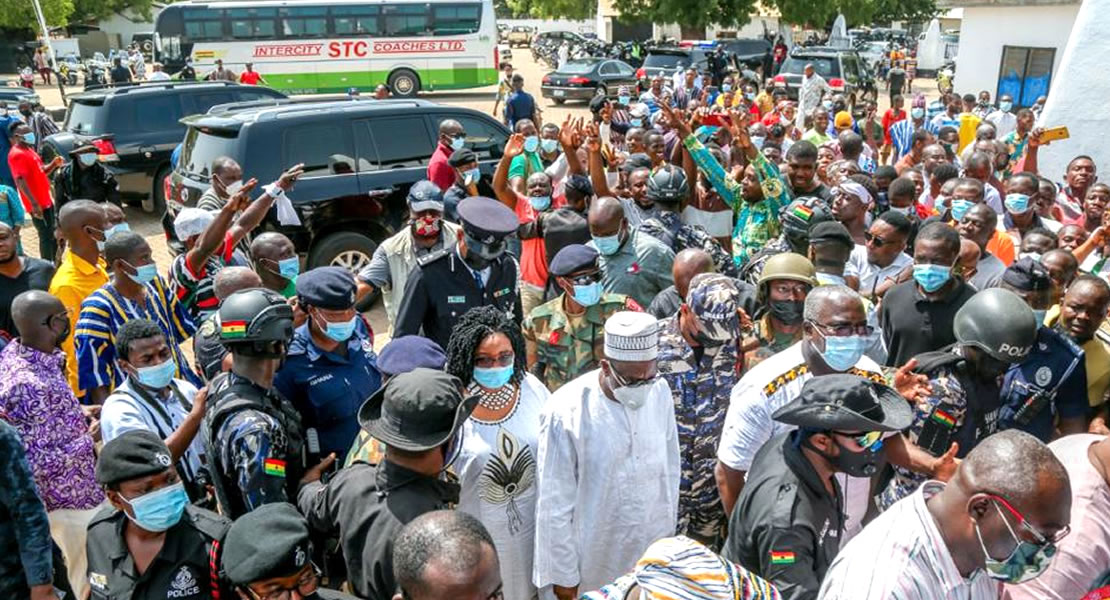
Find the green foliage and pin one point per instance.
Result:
(549, 9)
(19, 14)
(727, 13)
(85, 11)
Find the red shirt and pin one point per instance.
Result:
(533, 254)
(889, 118)
(249, 77)
(25, 163)
(439, 172)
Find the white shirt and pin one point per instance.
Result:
(1004, 123)
(497, 471)
(158, 76)
(607, 480)
(992, 198)
(125, 410)
(902, 556)
(809, 97)
(872, 275)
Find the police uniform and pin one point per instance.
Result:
(185, 568)
(327, 388)
(208, 352)
(444, 286)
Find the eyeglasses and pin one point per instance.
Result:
(67, 314)
(622, 382)
(844, 330)
(585, 278)
(1040, 538)
(875, 240)
(870, 440)
(305, 586)
(503, 360)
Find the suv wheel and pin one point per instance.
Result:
(349, 250)
(403, 83)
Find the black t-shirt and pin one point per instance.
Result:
(822, 191)
(36, 275)
(912, 325)
(121, 74)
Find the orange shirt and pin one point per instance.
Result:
(1002, 246)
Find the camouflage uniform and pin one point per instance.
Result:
(564, 351)
(767, 344)
(669, 229)
(754, 267)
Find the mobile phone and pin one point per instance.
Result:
(1055, 133)
(717, 119)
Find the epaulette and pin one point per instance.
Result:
(434, 256)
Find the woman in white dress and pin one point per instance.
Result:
(497, 463)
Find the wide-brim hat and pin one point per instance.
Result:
(416, 411)
(845, 402)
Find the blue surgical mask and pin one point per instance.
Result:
(827, 104)
(158, 376)
(1039, 315)
(917, 113)
(624, 100)
(531, 143)
(1005, 106)
(540, 202)
(494, 377)
(1034, 256)
(960, 208)
(1017, 203)
(87, 159)
(340, 332)
(117, 228)
(842, 352)
(143, 273)
(931, 277)
(726, 87)
(549, 145)
(750, 96)
(29, 138)
(472, 176)
(1026, 562)
(588, 295)
(159, 510)
(458, 143)
(757, 141)
(636, 122)
(289, 268)
(607, 245)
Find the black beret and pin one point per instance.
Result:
(830, 231)
(408, 352)
(330, 288)
(580, 183)
(486, 219)
(462, 156)
(573, 258)
(637, 161)
(270, 541)
(132, 455)
(1027, 275)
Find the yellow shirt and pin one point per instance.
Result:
(968, 124)
(74, 280)
(1097, 361)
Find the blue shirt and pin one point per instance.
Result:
(6, 145)
(327, 389)
(520, 105)
(1055, 367)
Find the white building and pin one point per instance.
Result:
(128, 23)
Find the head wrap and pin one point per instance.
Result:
(856, 190)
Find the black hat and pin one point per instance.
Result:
(573, 258)
(636, 161)
(330, 288)
(416, 411)
(579, 183)
(132, 455)
(843, 402)
(597, 103)
(408, 352)
(425, 195)
(462, 156)
(486, 219)
(831, 231)
(1027, 275)
(270, 541)
(82, 149)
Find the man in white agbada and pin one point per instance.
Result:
(608, 466)
(813, 88)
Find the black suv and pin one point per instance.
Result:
(137, 128)
(360, 156)
(843, 69)
(668, 61)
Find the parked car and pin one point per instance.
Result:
(360, 158)
(668, 61)
(12, 93)
(520, 35)
(502, 33)
(549, 36)
(139, 126)
(872, 52)
(746, 53)
(584, 78)
(504, 53)
(843, 70)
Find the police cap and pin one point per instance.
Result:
(572, 259)
(462, 156)
(132, 455)
(486, 219)
(408, 352)
(270, 541)
(425, 195)
(330, 288)
(831, 231)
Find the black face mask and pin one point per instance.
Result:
(479, 255)
(25, 113)
(854, 464)
(789, 312)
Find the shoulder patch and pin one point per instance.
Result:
(434, 256)
(207, 328)
(784, 378)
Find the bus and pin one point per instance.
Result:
(315, 47)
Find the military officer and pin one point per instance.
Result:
(253, 436)
(565, 336)
(476, 272)
(787, 524)
(331, 366)
(150, 543)
(267, 554)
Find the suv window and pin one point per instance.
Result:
(153, 113)
(669, 60)
(825, 66)
(609, 68)
(205, 100)
(82, 117)
(850, 67)
(402, 141)
(200, 149)
(325, 148)
(483, 137)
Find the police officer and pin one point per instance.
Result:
(564, 336)
(787, 524)
(267, 553)
(1048, 390)
(208, 352)
(331, 366)
(475, 272)
(254, 439)
(796, 220)
(150, 543)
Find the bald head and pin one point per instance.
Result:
(78, 214)
(687, 264)
(1039, 486)
(41, 320)
(233, 279)
(605, 216)
(824, 301)
(449, 127)
(445, 554)
(271, 245)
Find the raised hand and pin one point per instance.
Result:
(944, 467)
(242, 198)
(515, 146)
(289, 177)
(914, 387)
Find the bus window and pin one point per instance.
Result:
(456, 19)
(405, 20)
(304, 22)
(202, 24)
(355, 20)
(252, 23)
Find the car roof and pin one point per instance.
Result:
(234, 116)
(155, 87)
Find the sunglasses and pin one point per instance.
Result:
(875, 240)
(869, 440)
(585, 278)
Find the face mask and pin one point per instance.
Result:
(157, 377)
(340, 332)
(99, 243)
(472, 176)
(931, 277)
(750, 96)
(917, 113)
(1005, 106)
(494, 377)
(850, 462)
(143, 274)
(87, 159)
(726, 88)
(531, 143)
(539, 202)
(827, 104)
(757, 141)
(1017, 203)
(784, 120)
(905, 210)
(632, 396)
(960, 208)
(826, 279)
(549, 146)
(289, 268)
(1026, 562)
(588, 295)
(159, 510)
(233, 188)
(636, 122)
(787, 311)
(426, 226)
(984, 102)
(842, 352)
(624, 100)
(608, 245)
(458, 143)
(1039, 315)
(29, 138)
(118, 227)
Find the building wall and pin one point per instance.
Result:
(985, 29)
(128, 24)
(753, 29)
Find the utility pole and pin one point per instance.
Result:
(49, 47)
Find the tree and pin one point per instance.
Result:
(85, 11)
(726, 13)
(856, 12)
(20, 14)
(549, 9)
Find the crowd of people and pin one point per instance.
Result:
(826, 358)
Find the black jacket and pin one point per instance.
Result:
(85, 183)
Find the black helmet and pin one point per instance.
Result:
(667, 184)
(999, 323)
(252, 320)
(799, 216)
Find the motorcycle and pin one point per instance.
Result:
(27, 78)
(945, 76)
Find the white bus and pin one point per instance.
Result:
(313, 46)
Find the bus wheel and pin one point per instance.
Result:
(403, 83)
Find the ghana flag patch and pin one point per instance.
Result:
(782, 558)
(273, 466)
(803, 212)
(233, 329)
(944, 418)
